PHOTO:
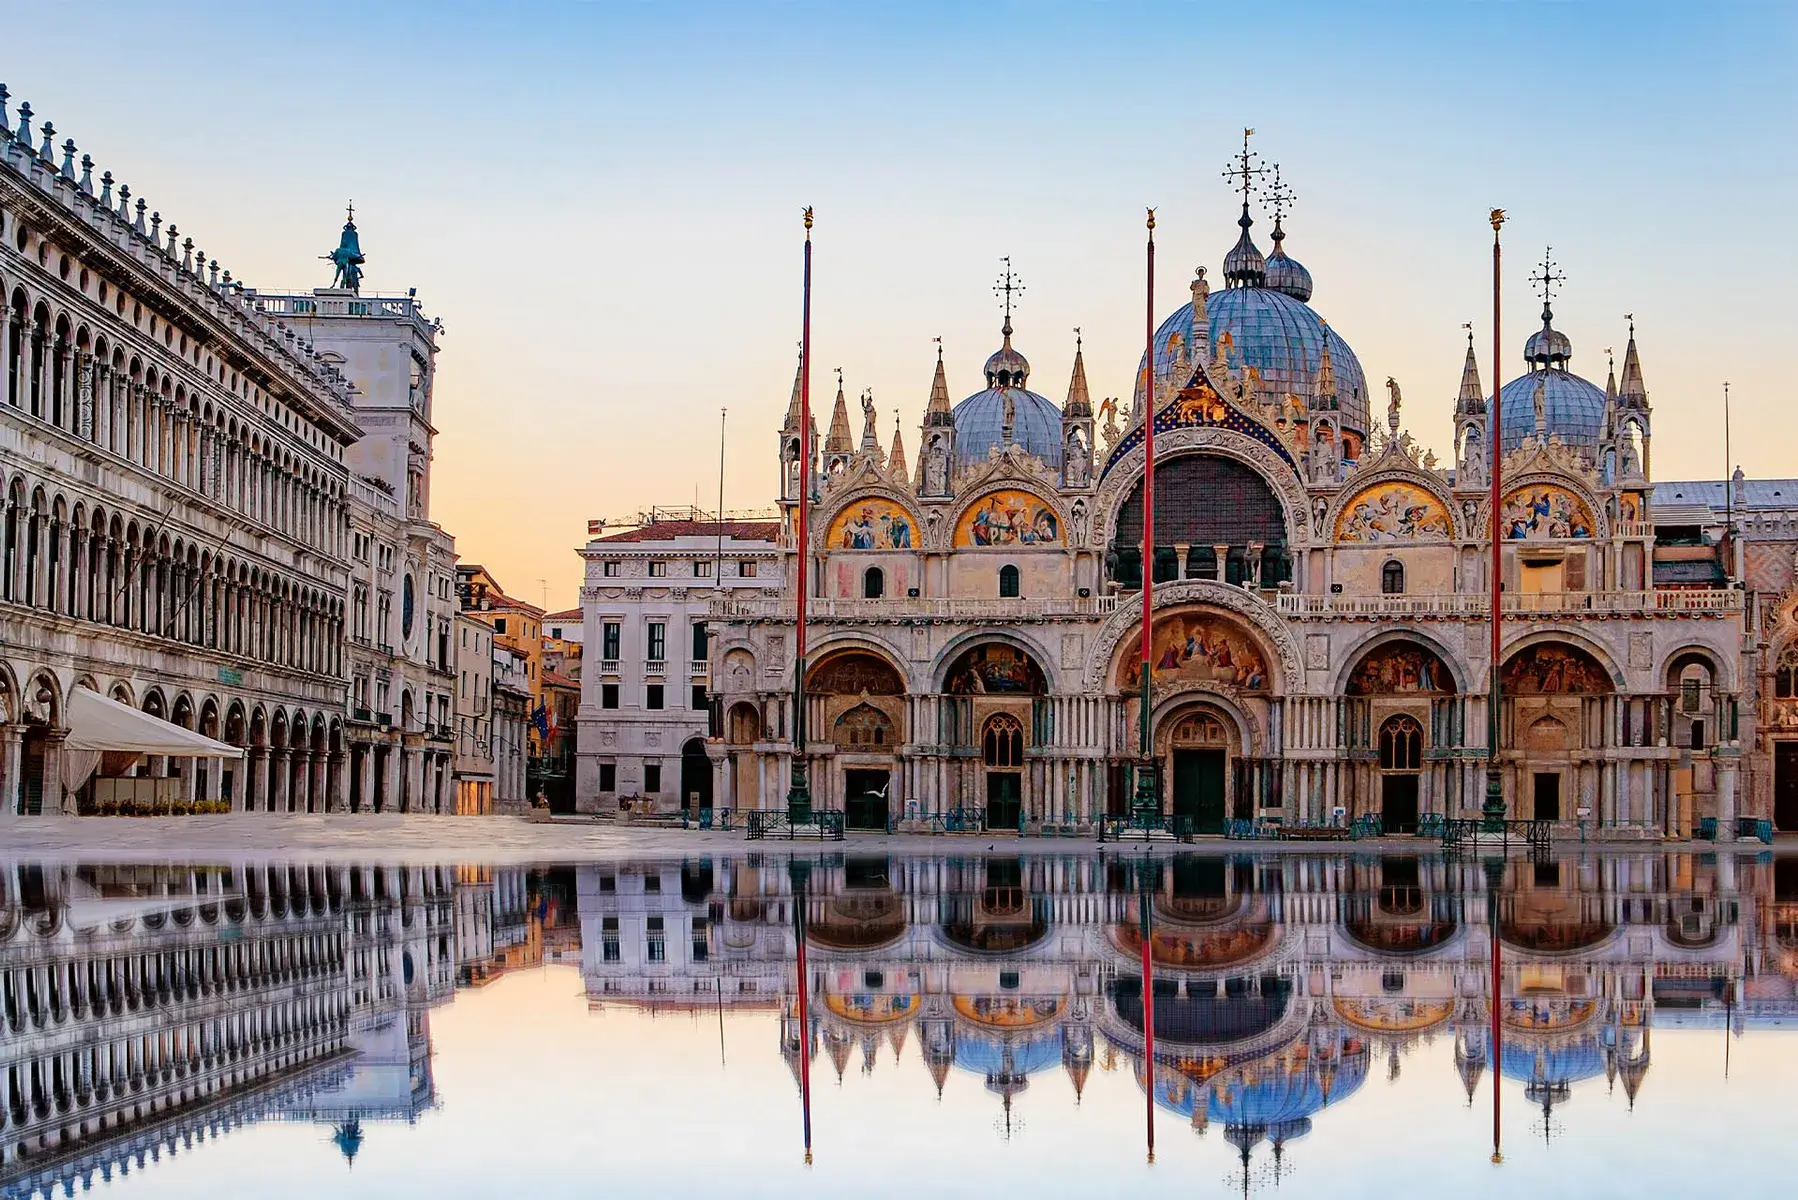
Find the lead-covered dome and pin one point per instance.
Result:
(1279, 335)
(980, 419)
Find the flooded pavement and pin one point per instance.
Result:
(1350, 1024)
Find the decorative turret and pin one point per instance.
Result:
(1284, 273)
(1632, 430)
(838, 449)
(936, 446)
(791, 473)
(1633, 393)
(1470, 423)
(1077, 425)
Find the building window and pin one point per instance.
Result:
(657, 945)
(499, 625)
(658, 641)
(1392, 578)
(1401, 744)
(746, 568)
(608, 695)
(610, 635)
(608, 777)
(652, 698)
(874, 583)
(658, 569)
(609, 568)
(702, 568)
(864, 725)
(1697, 735)
(1688, 695)
(699, 641)
(652, 783)
(1003, 743)
(608, 935)
(1008, 581)
(555, 631)
(699, 700)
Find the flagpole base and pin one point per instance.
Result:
(799, 793)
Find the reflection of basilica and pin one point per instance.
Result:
(1277, 983)
(149, 1008)
(1321, 636)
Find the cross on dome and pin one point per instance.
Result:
(1008, 286)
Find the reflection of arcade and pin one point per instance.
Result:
(149, 1006)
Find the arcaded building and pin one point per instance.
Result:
(1321, 614)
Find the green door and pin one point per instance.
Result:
(865, 799)
(1199, 788)
(1004, 799)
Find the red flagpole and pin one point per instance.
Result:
(1147, 794)
(798, 790)
(1494, 810)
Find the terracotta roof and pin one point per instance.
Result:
(557, 679)
(661, 531)
(567, 614)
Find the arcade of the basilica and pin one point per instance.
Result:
(1321, 614)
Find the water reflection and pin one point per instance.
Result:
(147, 1010)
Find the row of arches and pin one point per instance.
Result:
(98, 392)
(88, 563)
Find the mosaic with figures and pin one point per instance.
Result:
(1202, 649)
(1008, 518)
(874, 524)
(1544, 511)
(1392, 512)
(1548, 670)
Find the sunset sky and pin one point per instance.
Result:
(602, 203)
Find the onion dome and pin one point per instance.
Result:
(1548, 346)
(1285, 273)
(1244, 266)
(982, 420)
(1006, 368)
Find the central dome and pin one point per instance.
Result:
(1279, 335)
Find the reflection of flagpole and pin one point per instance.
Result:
(800, 872)
(1495, 873)
(720, 983)
(1145, 896)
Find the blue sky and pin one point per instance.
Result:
(601, 201)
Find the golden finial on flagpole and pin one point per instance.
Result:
(808, 222)
(1151, 220)
(1498, 218)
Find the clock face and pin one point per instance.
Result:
(407, 604)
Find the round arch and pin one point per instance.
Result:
(1535, 641)
(949, 662)
(850, 665)
(1362, 651)
(1238, 605)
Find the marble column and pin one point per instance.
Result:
(12, 762)
(365, 769)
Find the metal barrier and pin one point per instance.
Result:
(824, 824)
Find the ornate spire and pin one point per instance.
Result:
(1323, 384)
(1633, 392)
(937, 411)
(1471, 400)
(791, 424)
(896, 467)
(1079, 403)
(1245, 266)
(838, 440)
(1007, 368)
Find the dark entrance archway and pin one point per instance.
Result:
(1785, 785)
(865, 799)
(1401, 758)
(695, 775)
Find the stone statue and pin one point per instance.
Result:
(1319, 510)
(1076, 459)
(868, 418)
(1541, 403)
(347, 259)
(936, 468)
(1394, 399)
(1108, 412)
(1077, 524)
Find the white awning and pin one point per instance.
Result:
(102, 725)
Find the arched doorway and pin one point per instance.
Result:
(1198, 754)
(860, 704)
(1401, 759)
(1002, 752)
(993, 706)
(695, 775)
(1555, 723)
(1401, 703)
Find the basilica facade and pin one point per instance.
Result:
(1321, 617)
